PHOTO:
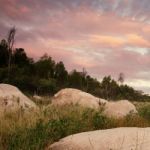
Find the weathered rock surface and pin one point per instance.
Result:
(11, 98)
(74, 96)
(111, 139)
(111, 109)
(119, 108)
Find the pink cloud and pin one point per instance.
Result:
(90, 34)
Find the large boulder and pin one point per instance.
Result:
(111, 109)
(119, 109)
(110, 139)
(11, 98)
(74, 96)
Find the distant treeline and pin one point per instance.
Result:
(46, 77)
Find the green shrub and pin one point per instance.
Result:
(145, 112)
(99, 121)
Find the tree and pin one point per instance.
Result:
(10, 42)
(84, 81)
(45, 67)
(109, 88)
(46, 86)
(20, 58)
(105, 85)
(92, 86)
(60, 72)
(3, 53)
(75, 79)
(121, 78)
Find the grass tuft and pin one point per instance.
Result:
(20, 131)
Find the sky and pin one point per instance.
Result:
(105, 37)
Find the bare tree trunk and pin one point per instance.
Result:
(9, 64)
(10, 41)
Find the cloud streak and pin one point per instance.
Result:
(104, 36)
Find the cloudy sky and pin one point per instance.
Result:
(104, 36)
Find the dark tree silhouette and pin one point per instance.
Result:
(60, 72)
(121, 78)
(10, 42)
(20, 58)
(3, 53)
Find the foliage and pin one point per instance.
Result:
(45, 67)
(47, 86)
(145, 111)
(46, 77)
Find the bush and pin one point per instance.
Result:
(145, 112)
(47, 86)
(99, 121)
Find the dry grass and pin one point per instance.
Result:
(38, 129)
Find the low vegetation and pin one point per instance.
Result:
(144, 111)
(39, 129)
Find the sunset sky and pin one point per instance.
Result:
(104, 36)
